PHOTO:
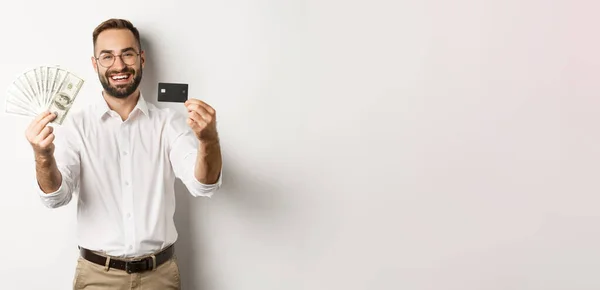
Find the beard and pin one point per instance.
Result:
(124, 90)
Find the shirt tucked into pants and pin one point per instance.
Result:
(122, 174)
(91, 276)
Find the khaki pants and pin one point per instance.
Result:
(91, 276)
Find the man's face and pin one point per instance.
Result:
(119, 76)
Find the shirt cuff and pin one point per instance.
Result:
(57, 198)
(51, 194)
(198, 188)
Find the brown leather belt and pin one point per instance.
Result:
(134, 266)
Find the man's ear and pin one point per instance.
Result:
(143, 58)
(95, 64)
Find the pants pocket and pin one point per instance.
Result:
(77, 277)
(176, 272)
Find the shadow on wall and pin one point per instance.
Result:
(257, 199)
(186, 247)
(244, 195)
(149, 82)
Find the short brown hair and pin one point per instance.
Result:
(115, 23)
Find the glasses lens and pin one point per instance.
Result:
(106, 59)
(129, 58)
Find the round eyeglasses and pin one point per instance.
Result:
(108, 59)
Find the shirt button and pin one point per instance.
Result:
(124, 152)
(128, 215)
(126, 183)
(130, 247)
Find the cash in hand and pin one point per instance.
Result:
(45, 88)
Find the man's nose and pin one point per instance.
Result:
(119, 62)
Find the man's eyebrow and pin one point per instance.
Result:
(122, 50)
(127, 49)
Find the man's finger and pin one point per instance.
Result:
(41, 136)
(47, 141)
(45, 132)
(194, 116)
(37, 119)
(198, 120)
(201, 111)
(197, 103)
(193, 124)
(41, 116)
(40, 125)
(206, 106)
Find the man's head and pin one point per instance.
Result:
(118, 57)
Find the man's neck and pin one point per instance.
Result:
(123, 106)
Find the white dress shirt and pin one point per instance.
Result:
(123, 173)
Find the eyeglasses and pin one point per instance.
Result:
(108, 59)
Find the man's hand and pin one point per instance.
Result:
(41, 138)
(40, 135)
(202, 119)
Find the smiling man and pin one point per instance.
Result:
(122, 156)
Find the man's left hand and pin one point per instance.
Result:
(202, 119)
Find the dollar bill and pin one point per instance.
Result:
(41, 75)
(63, 98)
(31, 82)
(45, 88)
(16, 103)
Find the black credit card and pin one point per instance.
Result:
(170, 92)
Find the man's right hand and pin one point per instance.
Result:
(40, 135)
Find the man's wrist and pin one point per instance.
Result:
(44, 160)
(209, 141)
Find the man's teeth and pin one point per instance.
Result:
(120, 77)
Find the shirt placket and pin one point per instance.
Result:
(126, 185)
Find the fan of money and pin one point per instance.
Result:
(44, 88)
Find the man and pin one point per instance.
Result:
(122, 156)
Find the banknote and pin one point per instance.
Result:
(44, 88)
(63, 98)
(40, 75)
(17, 103)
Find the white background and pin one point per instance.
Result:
(367, 145)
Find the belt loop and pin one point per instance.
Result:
(107, 265)
(153, 262)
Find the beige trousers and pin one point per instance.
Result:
(91, 276)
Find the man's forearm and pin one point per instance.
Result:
(47, 173)
(208, 162)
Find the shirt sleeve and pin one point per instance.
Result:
(183, 154)
(68, 163)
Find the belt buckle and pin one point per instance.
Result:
(129, 264)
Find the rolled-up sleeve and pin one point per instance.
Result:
(183, 155)
(68, 163)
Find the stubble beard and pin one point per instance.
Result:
(121, 91)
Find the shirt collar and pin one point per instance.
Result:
(102, 108)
